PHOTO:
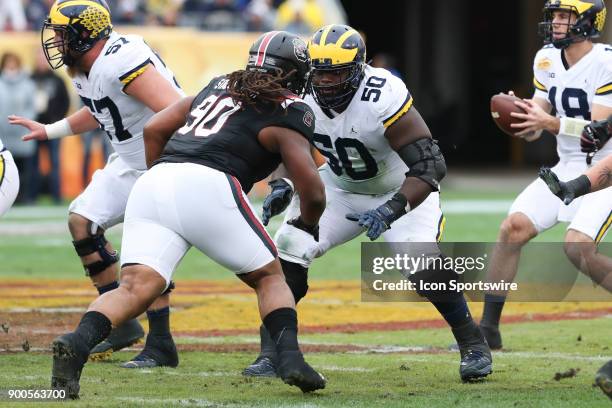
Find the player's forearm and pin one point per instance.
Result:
(600, 175)
(82, 121)
(553, 124)
(415, 190)
(154, 141)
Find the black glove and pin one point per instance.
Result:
(379, 220)
(595, 135)
(569, 191)
(278, 199)
(298, 223)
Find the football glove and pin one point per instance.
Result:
(277, 201)
(595, 135)
(379, 220)
(298, 223)
(569, 191)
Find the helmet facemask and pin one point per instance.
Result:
(329, 94)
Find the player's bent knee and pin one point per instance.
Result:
(95, 244)
(254, 278)
(297, 278)
(579, 248)
(517, 229)
(142, 281)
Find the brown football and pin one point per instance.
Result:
(501, 107)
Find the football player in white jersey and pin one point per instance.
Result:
(122, 83)
(573, 76)
(382, 168)
(9, 180)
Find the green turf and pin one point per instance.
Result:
(522, 377)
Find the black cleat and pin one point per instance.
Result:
(293, 370)
(476, 360)
(127, 334)
(493, 336)
(475, 364)
(69, 357)
(263, 366)
(157, 352)
(603, 378)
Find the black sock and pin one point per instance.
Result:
(282, 325)
(492, 310)
(107, 288)
(93, 328)
(268, 347)
(455, 312)
(159, 321)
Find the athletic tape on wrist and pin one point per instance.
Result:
(58, 129)
(572, 126)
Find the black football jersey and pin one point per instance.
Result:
(222, 135)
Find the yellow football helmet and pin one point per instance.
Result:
(72, 28)
(590, 21)
(337, 52)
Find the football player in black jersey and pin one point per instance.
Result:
(207, 151)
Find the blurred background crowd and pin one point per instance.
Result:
(299, 16)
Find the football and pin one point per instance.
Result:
(502, 105)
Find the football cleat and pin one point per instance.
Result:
(69, 357)
(476, 360)
(603, 378)
(157, 352)
(263, 366)
(129, 333)
(293, 370)
(492, 335)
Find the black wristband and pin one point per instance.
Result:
(397, 204)
(579, 186)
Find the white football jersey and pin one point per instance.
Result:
(123, 59)
(1, 145)
(572, 92)
(358, 155)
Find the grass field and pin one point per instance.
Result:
(373, 354)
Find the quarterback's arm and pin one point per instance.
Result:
(79, 122)
(405, 136)
(153, 90)
(160, 128)
(301, 168)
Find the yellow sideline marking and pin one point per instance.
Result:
(206, 305)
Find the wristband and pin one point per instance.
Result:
(58, 129)
(572, 126)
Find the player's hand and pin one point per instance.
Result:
(374, 221)
(595, 135)
(534, 119)
(37, 130)
(558, 188)
(298, 223)
(277, 201)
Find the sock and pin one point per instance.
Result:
(492, 310)
(107, 288)
(159, 321)
(282, 325)
(455, 312)
(93, 328)
(268, 347)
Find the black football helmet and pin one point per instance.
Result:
(590, 21)
(72, 28)
(336, 49)
(280, 51)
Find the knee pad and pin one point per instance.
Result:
(297, 278)
(429, 283)
(95, 244)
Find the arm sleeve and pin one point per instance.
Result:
(540, 79)
(603, 93)
(299, 117)
(396, 100)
